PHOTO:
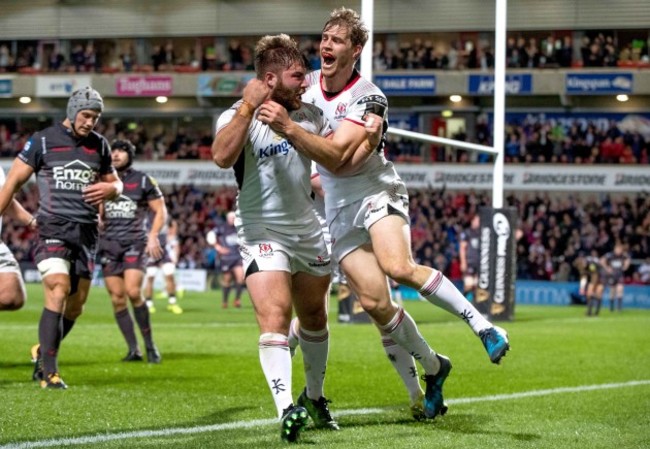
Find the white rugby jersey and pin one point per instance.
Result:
(358, 98)
(274, 180)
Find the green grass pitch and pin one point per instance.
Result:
(568, 382)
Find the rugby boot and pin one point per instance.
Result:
(495, 341)
(294, 419)
(133, 356)
(318, 411)
(37, 374)
(417, 408)
(153, 355)
(54, 382)
(434, 403)
(175, 309)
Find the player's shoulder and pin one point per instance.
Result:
(363, 86)
(313, 78)
(97, 140)
(311, 109)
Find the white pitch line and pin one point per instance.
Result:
(94, 439)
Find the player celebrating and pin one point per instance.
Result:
(367, 211)
(124, 245)
(75, 176)
(284, 254)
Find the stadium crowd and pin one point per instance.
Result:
(557, 233)
(442, 51)
(526, 141)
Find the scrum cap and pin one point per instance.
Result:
(84, 98)
(124, 145)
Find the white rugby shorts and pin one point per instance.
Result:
(349, 224)
(268, 249)
(8, 263)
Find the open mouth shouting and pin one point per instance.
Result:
(328, 59)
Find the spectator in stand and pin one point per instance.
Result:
(564, 54)
(90, 58)
(77, 57)
(157, 58)
(56, 61)
(5, 58)
(127, 60)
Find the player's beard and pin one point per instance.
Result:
(287, 97)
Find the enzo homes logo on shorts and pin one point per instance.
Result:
(74, 175)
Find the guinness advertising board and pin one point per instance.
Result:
(495, 293)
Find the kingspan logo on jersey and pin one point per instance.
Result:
(280, 148)
(74, 175)
(124, 207)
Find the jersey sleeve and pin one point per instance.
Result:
(151, 189)
(375, 103)
(32, 152)
(323, 125)
(226, 116)
(106, 162)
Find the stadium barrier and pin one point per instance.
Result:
(517, 177)
(549, 293)
(564, 293)
(186, 279)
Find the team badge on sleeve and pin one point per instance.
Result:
(375, 104)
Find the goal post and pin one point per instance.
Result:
(495, 296)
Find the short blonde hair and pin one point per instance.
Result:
(349, 19)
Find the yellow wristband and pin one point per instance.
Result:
(246, 109)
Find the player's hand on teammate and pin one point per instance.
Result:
(95, 194)
(274, 115)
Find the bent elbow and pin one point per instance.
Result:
(219, 159)
(221, 162)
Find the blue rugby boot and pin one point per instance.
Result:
(434, 403)
(496, 342)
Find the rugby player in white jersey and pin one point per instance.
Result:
(285, 259)
(12, 294)
(367, 211)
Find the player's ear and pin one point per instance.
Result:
(271, 79)
(357, 52)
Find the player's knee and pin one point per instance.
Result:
(400, 272)
(151, 272)
(377, 308)
(133, 292)
(119, 302)
(314, 321)
(8, 302)
(73, 310)
(12, 291)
